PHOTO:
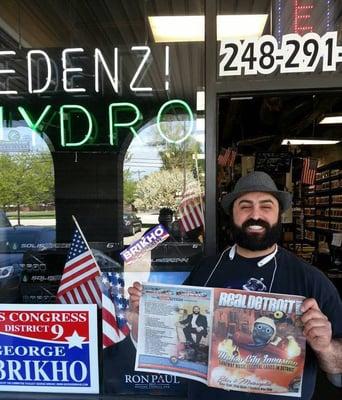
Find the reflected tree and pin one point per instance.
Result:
(26, 180)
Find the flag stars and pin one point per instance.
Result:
(105, 280)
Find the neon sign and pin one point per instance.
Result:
(114, 121)
(71, 71)
(42, 74)
(302, 16)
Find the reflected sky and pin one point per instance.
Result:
(144, 152)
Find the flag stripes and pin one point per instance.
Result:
(223, 157)
(111, 333)
(309, 167)
(191, 209)
(79, 284)
(227, 157)
(191, 216)
(114, 306)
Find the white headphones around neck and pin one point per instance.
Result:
(260, 263)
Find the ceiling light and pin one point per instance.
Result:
(240, 26)
(337, 119)
(190, 28)
(300, 142)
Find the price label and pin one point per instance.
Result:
(295, 54)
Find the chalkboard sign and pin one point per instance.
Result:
(273, 162)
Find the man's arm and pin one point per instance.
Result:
(330, 359)
(318, 332)
(185, 321)
(204, 322)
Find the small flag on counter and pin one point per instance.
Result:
(231, 161)
(309, 168)
(222, 158)
(79, 282)
(114, 306)
(227, 157)
(191, 209)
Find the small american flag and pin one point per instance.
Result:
(232, 157)
(309, 171)
(191, 209)
(79, 283)
(227, 157)
(222, 158)
(114, 306)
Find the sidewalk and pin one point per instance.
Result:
(34, 221)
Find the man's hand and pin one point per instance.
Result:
(317, 328)
(135, 293)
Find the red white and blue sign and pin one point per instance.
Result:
(49, 348)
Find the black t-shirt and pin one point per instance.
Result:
(286, 274)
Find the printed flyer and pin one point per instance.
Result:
(230, 339)
(164, 336)
(49, 348)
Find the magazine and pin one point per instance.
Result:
(226, 338)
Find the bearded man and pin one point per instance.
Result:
(256, 261)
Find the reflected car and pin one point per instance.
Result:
(131, 224)
(4, 221)
(25, 255)
(10, 277)
(15, 242)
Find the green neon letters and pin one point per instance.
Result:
(175, 103)
(131, 121)
(28, 118)
(30, 123)
(66, 117)
(113, 125)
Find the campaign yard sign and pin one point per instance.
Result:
(49, 348)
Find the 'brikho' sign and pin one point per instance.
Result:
(48, 348)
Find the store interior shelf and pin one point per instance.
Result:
(316, 220)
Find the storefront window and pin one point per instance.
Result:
(101, 119)
(102, 127)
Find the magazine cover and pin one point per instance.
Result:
(174, 330)
(257, 342)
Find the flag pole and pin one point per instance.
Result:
(199, 187)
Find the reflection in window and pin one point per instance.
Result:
(161, 177)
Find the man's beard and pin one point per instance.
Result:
(256, 241)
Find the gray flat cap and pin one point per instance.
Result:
(256, 181)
